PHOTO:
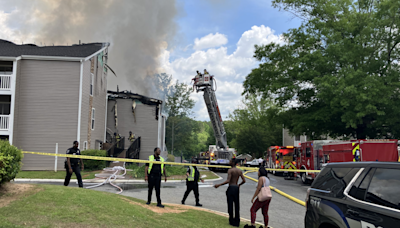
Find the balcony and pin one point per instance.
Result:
(5, 82)
(4, 122)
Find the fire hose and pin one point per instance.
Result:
(111, 178)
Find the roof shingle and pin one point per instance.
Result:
(9, 49)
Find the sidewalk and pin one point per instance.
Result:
(106, 173)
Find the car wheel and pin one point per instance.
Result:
(304, 178)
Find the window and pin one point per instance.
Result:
(334, 180)
(360, 186)
(308, 152)
(92, 118)
(6, 68)
(384, 188)
(91, 84)
(85, 145)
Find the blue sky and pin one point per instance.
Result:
(231, 19)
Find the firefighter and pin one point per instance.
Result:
(131, 136)
(153, 173)
(205, 72)
(72, 165)
(193, 177)
(117, 138)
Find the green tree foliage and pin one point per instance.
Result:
(254, 126)
(339, 69)
(180, 128)
(10, 161)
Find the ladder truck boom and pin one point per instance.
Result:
(206, 83)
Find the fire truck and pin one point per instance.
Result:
(384, 150)
(282, 157)
(314, 154)
(220, 154)
(310, 157)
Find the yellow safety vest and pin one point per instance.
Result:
(191, 174)
(151, 158)
(131, 138)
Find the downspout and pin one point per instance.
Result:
(80, 103)
(12, 108)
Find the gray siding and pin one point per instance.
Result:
(46, 110)
(97, 101)
(146, 125)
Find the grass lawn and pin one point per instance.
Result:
(59, 206)
(54, 175)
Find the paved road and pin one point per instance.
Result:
(283, 213)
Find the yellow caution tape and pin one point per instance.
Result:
(155, 162)
(279, 192)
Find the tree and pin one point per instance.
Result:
(338, 73)
(180, 129)
(179, 102)
(254, 126)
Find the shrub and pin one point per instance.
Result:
(94, 164)
(171, 158)
(10, 161)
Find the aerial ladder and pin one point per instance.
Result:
(220, 153)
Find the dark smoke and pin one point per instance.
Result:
(138, 31)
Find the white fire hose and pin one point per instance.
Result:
(111, 178)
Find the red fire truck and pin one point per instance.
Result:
(281, 157)
(384, 150)
(310, 157)
(314, 154)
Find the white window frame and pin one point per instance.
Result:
(92, 118)
(85, 145)
(91, 89)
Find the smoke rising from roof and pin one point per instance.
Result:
(138, 31)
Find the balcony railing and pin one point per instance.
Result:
(4, 122)
(5, 82)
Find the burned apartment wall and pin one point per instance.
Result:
(143, 123)
(46, 110)
(97, 100)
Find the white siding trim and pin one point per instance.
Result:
(105, 117)
(159, 127)
(80, 104)
(57, 58)
(12, 108)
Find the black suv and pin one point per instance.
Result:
(355, 194)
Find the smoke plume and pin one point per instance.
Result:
(138, 31)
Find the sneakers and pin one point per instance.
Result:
(160, 205)
(199, 205)
(148, 203)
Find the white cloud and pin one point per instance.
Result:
(210, 41)
(229, 70)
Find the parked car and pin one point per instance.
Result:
(355, 194)
(253, 163)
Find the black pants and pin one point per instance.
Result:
(232, 196)
(77, 171)
(192, 185)
(154, 181)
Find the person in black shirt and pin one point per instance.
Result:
(72, 165)
(153, 173)
(193, 177)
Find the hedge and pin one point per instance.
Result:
(94, 164)
(10, 161)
